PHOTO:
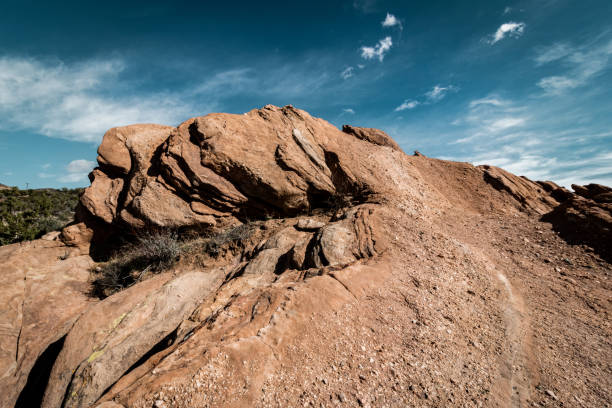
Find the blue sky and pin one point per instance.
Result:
(523, 85)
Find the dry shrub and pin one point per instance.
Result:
(159, 250)
(150, 253)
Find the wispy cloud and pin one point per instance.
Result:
(347, 73)
(438, 92)
(487, 101)
(491, 116)
(506, 123)
(391, 21)
(365, 6)
(510, 29)
(80, 101)
(377, 51)
(585, 62)
(507, 10)
(552, 53)
(71, 102)
(407, 104)
(77, 171)
(557, 84)
(532, 139)
(349, 111)
(230, 81)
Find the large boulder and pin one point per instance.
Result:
(215, 168)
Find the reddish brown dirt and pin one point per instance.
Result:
(481, 305)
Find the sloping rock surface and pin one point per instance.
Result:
(43, 292)
(356, 275)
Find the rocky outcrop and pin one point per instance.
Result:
(375, 136)
(212, 171)
(586, 217)
(531, 195)
(327, 268)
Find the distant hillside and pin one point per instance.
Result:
(29, 214)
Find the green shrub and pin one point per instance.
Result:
(29, 214)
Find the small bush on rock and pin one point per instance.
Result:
(156, 251)
(150, 253)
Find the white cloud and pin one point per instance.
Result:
(557, 84)
(407, 104)
(436, 94)
(439, 92)
(507, 10)
(360, 66)
(379, 50)
(510, 29)
(349, 111)
(77, 171)
(80, 166)
(230, 81)
(505, 123)
(347, 73)
(72, 101)
(491, 116)
(584, 62)
(80, 101)
(540, 141)
(390, 21)
(487, 101)
(552, 53)
(46, 166)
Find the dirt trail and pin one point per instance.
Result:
(516, 368)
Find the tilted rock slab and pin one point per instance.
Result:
(43, 292)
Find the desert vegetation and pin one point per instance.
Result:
(29, 214)
(155, 251)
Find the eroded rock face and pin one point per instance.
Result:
(353, 274)
(586, 217)
(217, 168)
(531, 195)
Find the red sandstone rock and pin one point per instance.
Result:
(362, 276)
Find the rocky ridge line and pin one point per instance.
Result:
(344, 226)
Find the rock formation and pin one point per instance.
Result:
(344, 273)
(586, 217)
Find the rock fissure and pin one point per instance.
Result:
(38, 377)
